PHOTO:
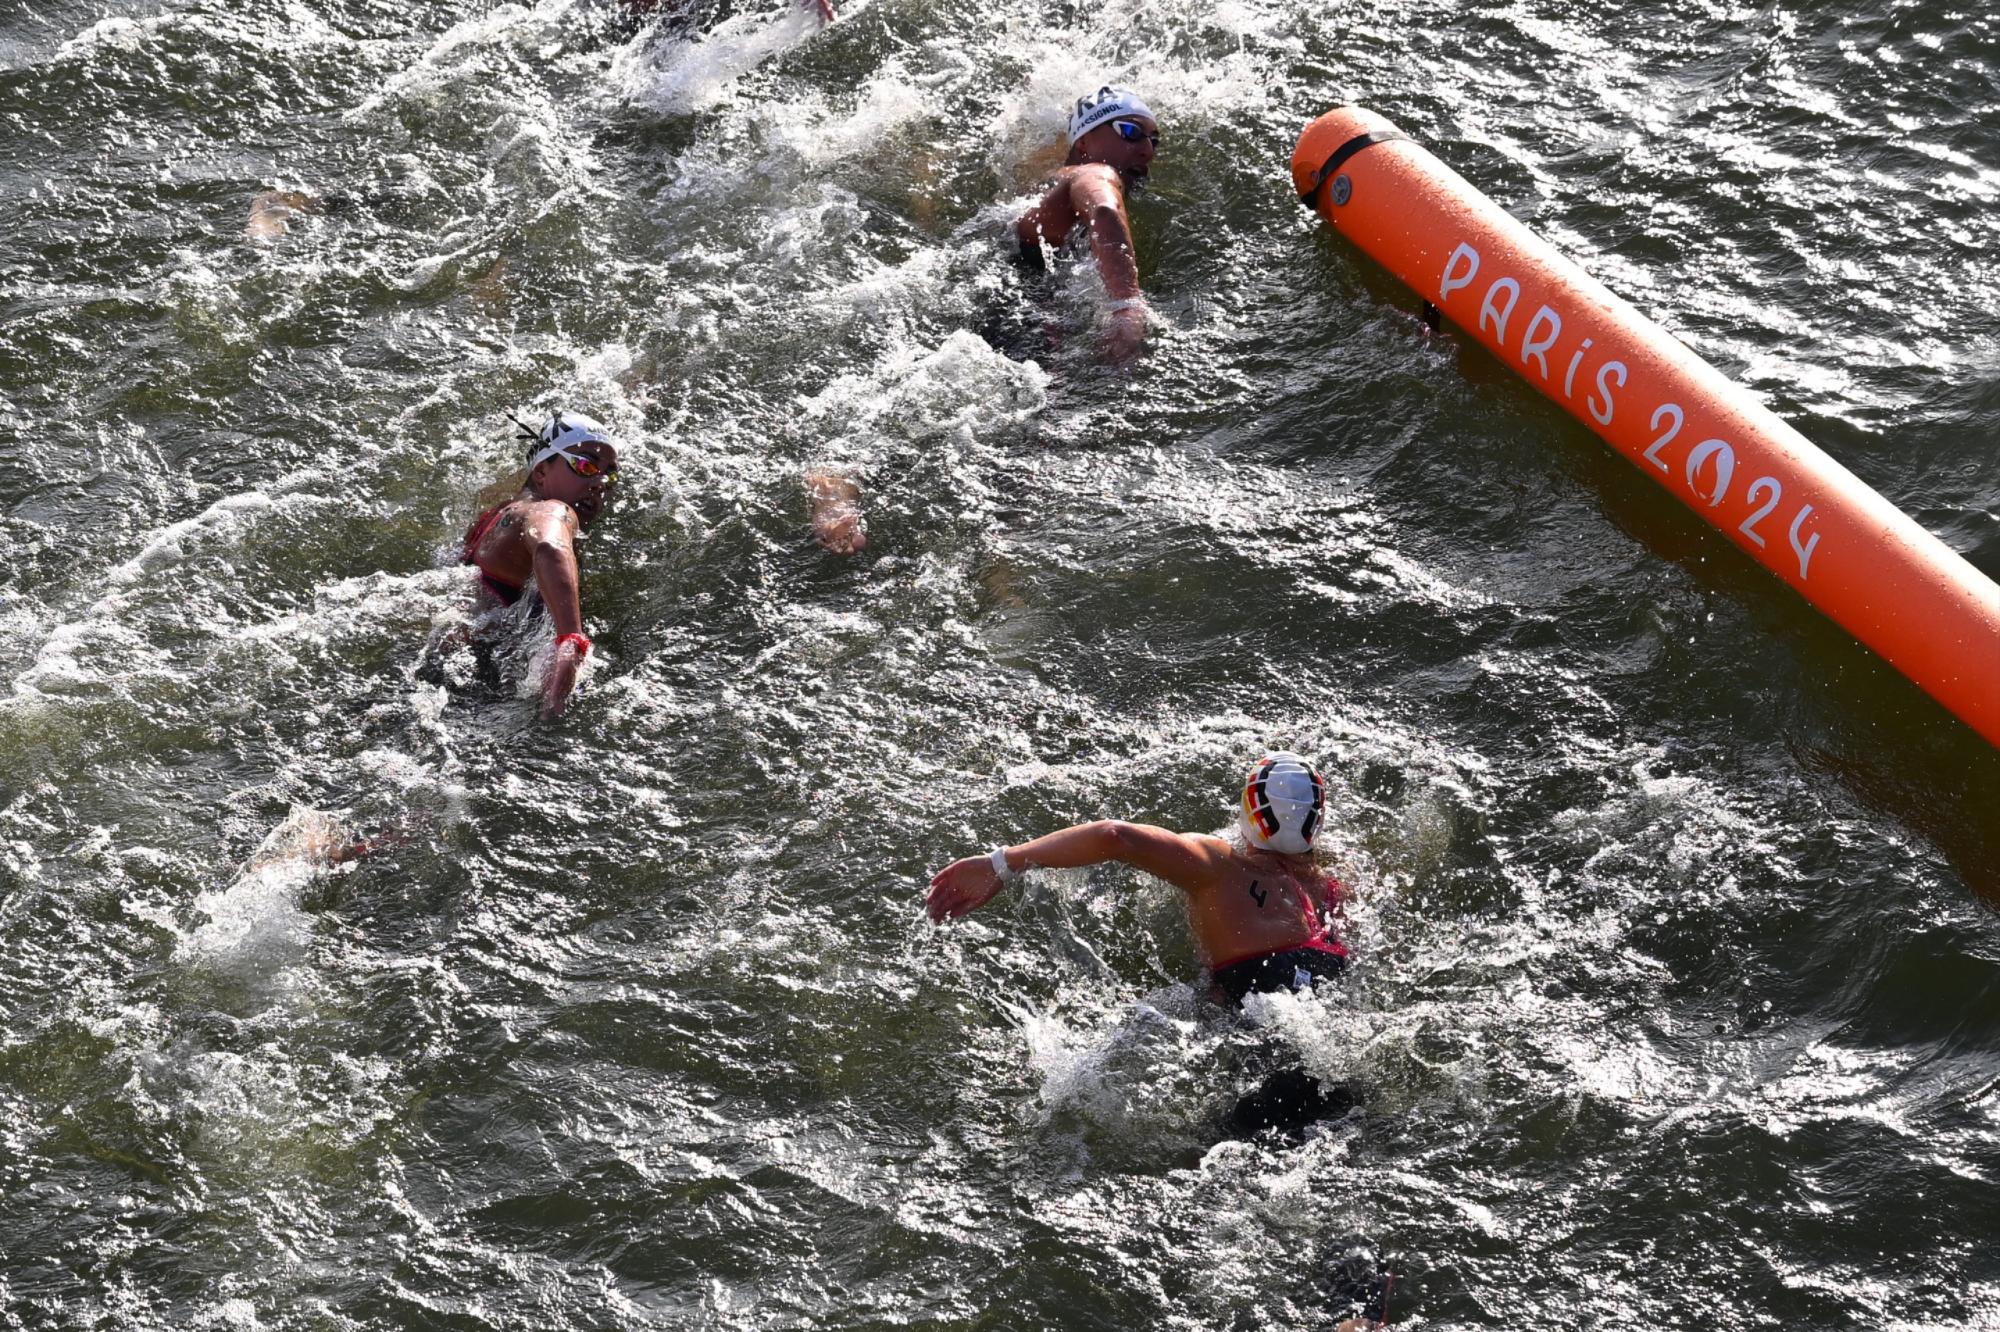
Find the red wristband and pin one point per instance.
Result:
(582, 642)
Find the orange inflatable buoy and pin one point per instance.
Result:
(1756, 480)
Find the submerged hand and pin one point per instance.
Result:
(961, 887)
(840, 531)
(560, 680)
(824, 8)
(837, 523)
(272, 211)
(1124, 334)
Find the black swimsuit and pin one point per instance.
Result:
(1289, 1099)
(1020, 323)
(1287, 969)
(1028, 256)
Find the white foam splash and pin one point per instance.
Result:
(289, 30)
(224, 520)
(677, 76)
(115, 34)
(256, 917)
(956, 392)
(429, 71)
(818, 136)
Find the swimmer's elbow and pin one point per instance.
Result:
(553, 549)
(1122, 840)
(1099, 841)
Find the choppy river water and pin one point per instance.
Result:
(1679, 989)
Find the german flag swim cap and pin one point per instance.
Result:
(1283, 800)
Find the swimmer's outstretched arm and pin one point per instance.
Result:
(1187, 861)
(1099, 200)
(550, 531)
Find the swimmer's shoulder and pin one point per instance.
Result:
(506, 516)
(1092, 180)
(1217, 863)
(541, 519)
(524, 520)
(1062, 183)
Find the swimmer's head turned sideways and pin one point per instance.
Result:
(1115, 127)
(572, 460)
(1112, 138)
(572, 464)
(1262, 914)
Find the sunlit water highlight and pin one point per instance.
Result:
(1678, 979)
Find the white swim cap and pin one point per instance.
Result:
(1283, 799)
(564, 431)
(1107, 103)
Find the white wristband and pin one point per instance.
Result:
(1001, 869)
(1129, 303)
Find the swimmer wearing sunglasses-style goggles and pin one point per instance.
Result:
(585, 466)
(1133, 132)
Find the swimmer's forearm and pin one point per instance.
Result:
(1111, 245)
(968, 884)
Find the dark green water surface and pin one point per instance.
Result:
(1678, 996)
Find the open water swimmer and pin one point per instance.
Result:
(524, 545)
(1112, 139)
(1660, 987)
(1263, 914)
(1079, 215)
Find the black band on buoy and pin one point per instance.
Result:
(1340, 156)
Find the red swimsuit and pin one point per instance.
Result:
(509, 593)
